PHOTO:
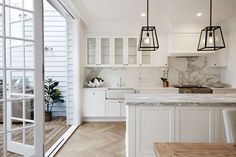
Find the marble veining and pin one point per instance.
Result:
(181, 99)
(182, 71)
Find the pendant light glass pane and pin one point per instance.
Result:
(219, 38)
(148, 39)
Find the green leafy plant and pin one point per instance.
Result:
(52, 94)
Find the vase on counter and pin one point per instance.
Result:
(165, 84)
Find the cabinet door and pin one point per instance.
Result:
(113, 109)
(195, 124)
(146, 58)
(132, 51)
(92, 51)
(123, 109)
(105, 51)
(160, 57)
(119, 50)
(153, 124)
(220, 134)
(94, 104)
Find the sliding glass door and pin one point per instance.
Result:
(21, 77)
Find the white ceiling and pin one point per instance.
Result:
(166, 15)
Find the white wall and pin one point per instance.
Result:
(228, 74)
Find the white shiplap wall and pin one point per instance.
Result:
(56, 58)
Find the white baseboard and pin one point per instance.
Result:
(56, 147)
(104, 119)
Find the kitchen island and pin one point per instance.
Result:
(191, 118)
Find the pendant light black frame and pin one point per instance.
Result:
(150, 31)
(210, 32)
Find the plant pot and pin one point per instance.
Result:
(48, 116)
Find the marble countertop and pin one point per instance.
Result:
(136, 88)
(180, 98)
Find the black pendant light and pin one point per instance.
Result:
(211, 38)
(148, 37)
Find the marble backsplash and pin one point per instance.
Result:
(182, 71)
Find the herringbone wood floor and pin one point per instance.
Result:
(96, 140)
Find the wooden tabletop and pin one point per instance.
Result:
(194, 150)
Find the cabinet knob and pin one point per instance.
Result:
(94, 94)
(215, 64)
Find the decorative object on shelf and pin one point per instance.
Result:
(95, 82)
(211, 38)
(52, 96)
(148, 38)
(165, 77)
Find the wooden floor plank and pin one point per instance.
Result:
(96, 140)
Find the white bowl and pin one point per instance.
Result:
(95, 84)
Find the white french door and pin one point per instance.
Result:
(21, 77)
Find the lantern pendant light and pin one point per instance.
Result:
(211, 38)
(148, 37)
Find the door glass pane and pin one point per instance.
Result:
(29, 55)
(15, 3)
(1, 140)
(17, 109)
(91, 50)
(28, 5)
(1, 19)
(146, 57)
(1, 121)
(28, 25)
(15, 84)
(132, 50)
(105, 50)
(119, 51)
(15, 53)
(29, 109)
(29, 138)
(29, 83)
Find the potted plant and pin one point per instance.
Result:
(52, 96)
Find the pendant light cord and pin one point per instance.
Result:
(147, 13)
(210, 13)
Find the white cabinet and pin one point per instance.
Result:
(184, 45)
(94, 104)
(119, 51)
(158, 58)
(98, 51)
(123, 109)
(115, 108)
(219, 58)
(123, 52)
(153, 124)
(105, 49)
(195, 124)
(92, 57)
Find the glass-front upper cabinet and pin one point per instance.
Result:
(105, 51)
(92, 51)
(146, 58)
(119, 51)
(132, 55)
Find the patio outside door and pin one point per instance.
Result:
(21, 77)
